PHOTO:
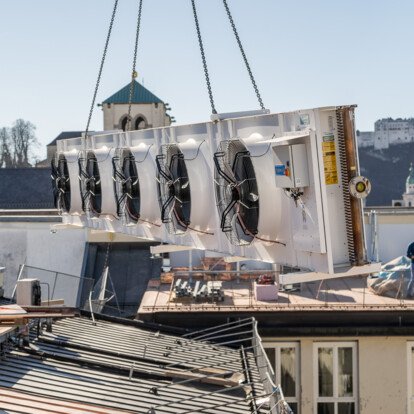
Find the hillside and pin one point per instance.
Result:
(387, 169)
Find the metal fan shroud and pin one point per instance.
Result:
(236, 192)
(126, 185)
(61, 184)
(93, 188)
(173, 189)
(144, 155)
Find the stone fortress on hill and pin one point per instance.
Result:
(387, 131)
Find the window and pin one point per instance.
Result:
(336, 381)
(284, 357)
(410, 379)
(140, 123)
(124, 121)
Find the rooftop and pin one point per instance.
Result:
(315, 302)
(125, 366)
(25, 188)
(141, 95)
(66, 135)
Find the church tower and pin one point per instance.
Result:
(147, 110)
(408, 196)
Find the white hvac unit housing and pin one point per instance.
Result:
(65, 176)
(281, 188)
(134, 172)
(185, 186)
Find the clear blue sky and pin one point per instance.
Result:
(303, 53)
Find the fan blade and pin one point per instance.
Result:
(227, 175)
(248, 218)
(225, 214)
(254, 197)
(164, 208)
(162, 168)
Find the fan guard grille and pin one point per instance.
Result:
(173, 189)
(90, 182)
(61, 184)
(126, 185)
(236, 192)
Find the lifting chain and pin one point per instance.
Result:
(134, 63)
(101, 67)
(236, 34)
(203, 58)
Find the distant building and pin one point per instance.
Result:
(51, 147)
(147, 111)
(408, 196)
(387, 132)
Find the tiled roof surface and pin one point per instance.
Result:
(66, 135)
(25, 188)
(141, 95)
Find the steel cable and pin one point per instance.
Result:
(134, 63)
(108, 36)
(246, 62)
(203, 58)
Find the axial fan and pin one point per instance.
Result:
(173, 189)
(236, 192)
(126, 185)
(90, 183)
(61, 183)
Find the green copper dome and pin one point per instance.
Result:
(410, 178)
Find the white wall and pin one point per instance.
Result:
(382, 372)
(33, 244)
(394, 236)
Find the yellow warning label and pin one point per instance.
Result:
(329, 161)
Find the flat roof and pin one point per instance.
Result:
(339, 304)
(347, 293)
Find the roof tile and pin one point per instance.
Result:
(141, 95)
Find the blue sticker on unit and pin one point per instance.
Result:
(280, 169)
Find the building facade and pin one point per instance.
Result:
(147, 110)
(387, 132)
(408, 196)
(345, 374)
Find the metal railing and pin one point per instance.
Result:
(265, 397)
(277, 403)
(74, 290)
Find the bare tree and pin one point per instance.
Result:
(6, 158)
(23, 139)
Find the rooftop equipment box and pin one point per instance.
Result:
(291, 166)
(28, 292)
